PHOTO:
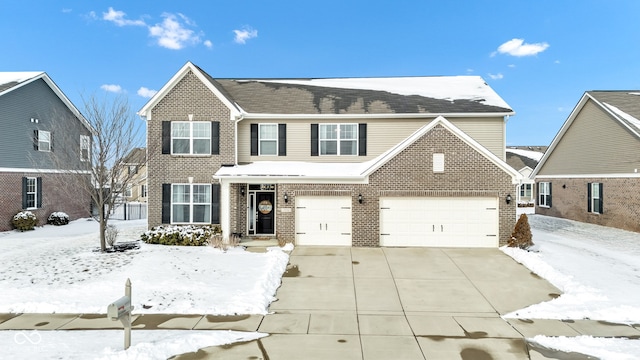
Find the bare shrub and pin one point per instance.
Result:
(111, 235)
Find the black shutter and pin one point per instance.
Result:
(39, 192)
(166, 137)
(166, 203)
(24, 192)
(601, 198)
(215, 204)
(51, 141)
(314, 139)
(35, 140)
(550, 193)
(362, 139)
(282, 139)
(215, 138)
(588, 197)
(254, 139)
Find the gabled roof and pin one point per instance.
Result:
(622, 105)
(297, 171)
(11, 81)
(520, 158)
(388, 97)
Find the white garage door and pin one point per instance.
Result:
(323, 220)
(445, 222)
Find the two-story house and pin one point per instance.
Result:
(134, 174)
(590, 172)
(45, 146)
(408, 161)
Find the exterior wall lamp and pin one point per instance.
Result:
(360, 198)
(242, 190)
(286, 198)
(508, 199)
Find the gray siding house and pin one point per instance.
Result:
(590, 171)
(410, 161)
(44, 149)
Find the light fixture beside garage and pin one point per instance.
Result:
(286, 198)
(508, 199)
(360, 198)
(242, 190)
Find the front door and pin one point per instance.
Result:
(265, 213)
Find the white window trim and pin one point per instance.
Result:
(526, 190)
(544, 191)
(338, 139)
(594, 200)
(85, 144)
(34, 192)
(41, 141)
(143, 191)
(190, 137)
(191, 204)
(260, 139)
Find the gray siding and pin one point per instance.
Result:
(37, 100)
(594, 143)
(382, 134)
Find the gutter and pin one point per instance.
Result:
(259, 116)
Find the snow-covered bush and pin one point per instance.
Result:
(185, 235)
(521, 236)
(58, 218)
(111, 235)
(24, 220)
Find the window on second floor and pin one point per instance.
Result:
(338, 139)
(85, 148)
(42, 140)
(268, 139)
(143, 191)
(525, 190)
(544, 194)
(191, 138)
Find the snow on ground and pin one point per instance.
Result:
(602, 348)
(57, 270)
(109, 344)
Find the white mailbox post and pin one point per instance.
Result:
(121, 310)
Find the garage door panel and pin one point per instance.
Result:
(450, 222)
(323, 220)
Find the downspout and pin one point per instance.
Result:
(504, 138)
(238, 118)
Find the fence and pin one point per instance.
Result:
(129, 211)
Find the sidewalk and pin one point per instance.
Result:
(374, 303)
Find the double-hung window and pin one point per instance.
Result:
(525, 190)
(338, 139)
(143, 191)
(191, 138)
(544, 194)
(191, 203)
(268, 139)
(43, 140)
(85, 145)
(31, 193)
(594, 196)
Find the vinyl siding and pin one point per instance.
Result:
(37, 100)
(594, 143)
(381, 136)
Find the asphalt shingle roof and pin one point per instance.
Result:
(627, 101)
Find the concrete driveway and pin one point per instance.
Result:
(399, 303)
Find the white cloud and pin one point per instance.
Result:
(245, 34)
(208, 44)
(146, 93)
(511, 65)
(497, 76)
(111, 88)
(66, 11)
(118, 17)
(517, 47)
(470, 71)
(172, 33)
(557, 62)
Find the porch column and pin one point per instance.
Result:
(225, 210)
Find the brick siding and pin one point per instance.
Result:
(58, 194)
(621, 201)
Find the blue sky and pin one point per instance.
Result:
(540, 56)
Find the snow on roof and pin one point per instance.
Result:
(535, 155)
(20, 76)
(635, 122)
(472, 88)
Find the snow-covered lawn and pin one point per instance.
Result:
(57, 270)
(598, 270)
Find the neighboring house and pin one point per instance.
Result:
(45, 144)
(135, 175)
(525, 159)
(590, 171)
(412, 161)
